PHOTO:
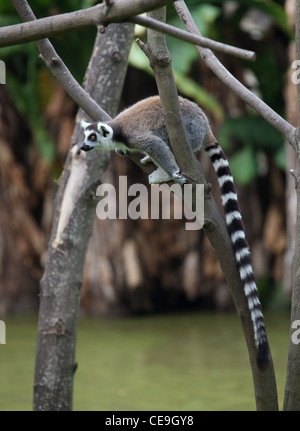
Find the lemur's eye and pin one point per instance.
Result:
(92, 137)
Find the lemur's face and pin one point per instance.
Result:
(96, 135)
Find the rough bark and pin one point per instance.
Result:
(264, 381)
(291, 115)
(72, 228)
(292, 388)
(101, 14)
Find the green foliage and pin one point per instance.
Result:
(44, 144)
(251, 134)
(243, 165)
(252, 130)
(190, 88)
(184, 55)
(28, 80)
(29, 88)
(274, 9)
(254, 135)
(270, 76)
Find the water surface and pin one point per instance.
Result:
(194, 361)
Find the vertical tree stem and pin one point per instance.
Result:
(72, 228)
(264, 381)
(292, 388)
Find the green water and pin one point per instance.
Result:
(167, 362)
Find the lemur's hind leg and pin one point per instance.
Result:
(160, 153)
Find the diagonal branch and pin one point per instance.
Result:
(118, 11)
(264, 381)
(53, 26)
(239, 89)
(292, 387)
(162, 27)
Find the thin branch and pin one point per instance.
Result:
(228, 79)
(292, 387)
(192, 38)
(118, 11)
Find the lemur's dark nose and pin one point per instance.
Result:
(85, 147)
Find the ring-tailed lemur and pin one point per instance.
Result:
(142, 128)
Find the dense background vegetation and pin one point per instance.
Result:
(36, 122)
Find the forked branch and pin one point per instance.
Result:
(215, 227)
(103, 15)
(284, 127)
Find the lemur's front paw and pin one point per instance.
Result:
(121, 152)
(178, 178)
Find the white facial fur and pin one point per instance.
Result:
(97, 135)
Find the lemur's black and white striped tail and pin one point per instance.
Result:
(240, 247)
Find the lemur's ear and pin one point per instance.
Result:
(102, 129)
(84, 124)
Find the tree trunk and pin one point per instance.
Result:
(291, 116)
(72, 227)
(292, 388)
